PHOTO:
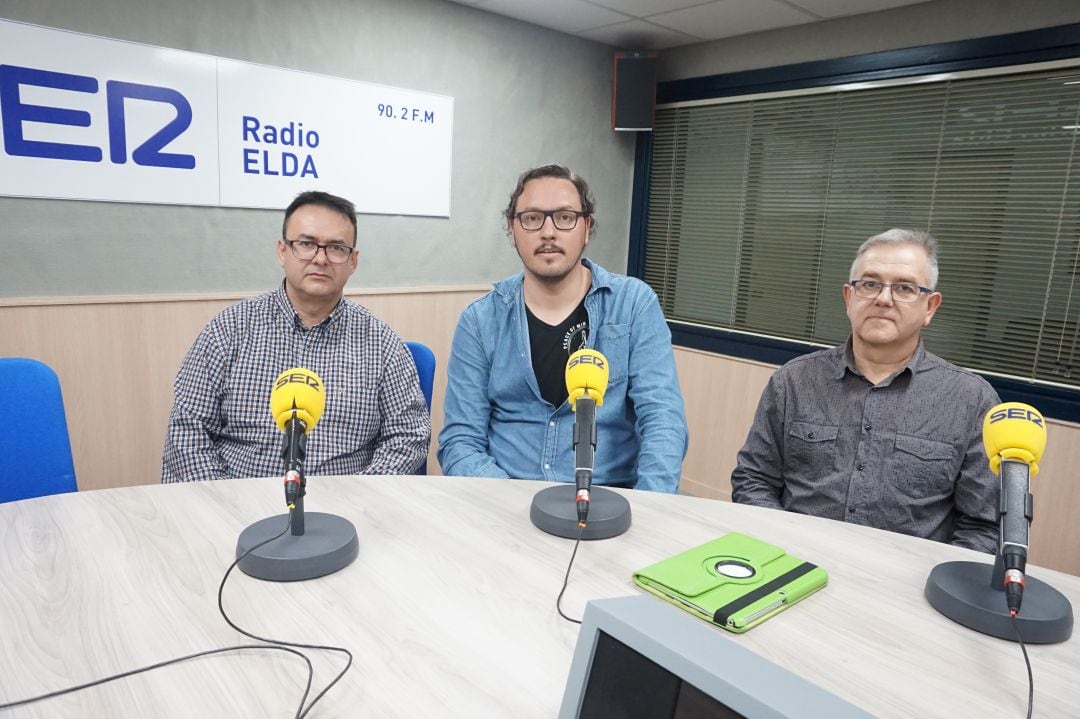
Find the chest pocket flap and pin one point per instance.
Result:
(923, 448)
(813, 432)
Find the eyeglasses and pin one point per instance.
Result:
(306, 250)
(533, 220)
(901, 291)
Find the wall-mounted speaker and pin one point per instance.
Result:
(633, 91)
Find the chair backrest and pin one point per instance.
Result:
(37, 450)
(424, 359)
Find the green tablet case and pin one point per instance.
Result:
(735, 581)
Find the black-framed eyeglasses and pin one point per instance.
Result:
(306, 250)
(901, 291)
(533, 220)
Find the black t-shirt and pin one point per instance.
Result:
(551, 345)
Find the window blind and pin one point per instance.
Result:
(756, 209)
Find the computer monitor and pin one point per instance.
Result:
(640, 658)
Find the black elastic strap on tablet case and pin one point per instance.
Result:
(722, 614)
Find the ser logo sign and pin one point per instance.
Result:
(16, 112)
(1016, 413)
(298, 378)
(586, 359)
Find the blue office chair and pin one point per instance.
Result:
(424, 359)
(35, 447)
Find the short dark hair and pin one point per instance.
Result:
(588, 204)
(323, 199)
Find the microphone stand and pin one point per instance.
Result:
(318, 544)
(560, 510)
(973, 593)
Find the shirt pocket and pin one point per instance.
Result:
(613, 341)
(811, 448)
(922, 468)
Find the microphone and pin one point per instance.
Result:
(586, 381)
(264, 550)
(1014, 435)
(296, 404)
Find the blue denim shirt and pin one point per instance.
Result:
(498, 425)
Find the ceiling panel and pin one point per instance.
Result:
(727, 18)
(661, 24)
(566, 15)
(639, 35)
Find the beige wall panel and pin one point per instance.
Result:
(721, 394)
(117, 358)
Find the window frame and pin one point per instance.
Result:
(1014, 49)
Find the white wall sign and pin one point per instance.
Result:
(90, 118)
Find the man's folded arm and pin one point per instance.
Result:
(195, 420)
(463, 441)
(405, 433)
(977, 490)
(758, 477)
(657, 399)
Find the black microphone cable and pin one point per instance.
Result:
(566, 579)
(302, 712)
(1027, 661)
(269, 644)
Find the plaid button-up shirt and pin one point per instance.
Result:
(375, 421)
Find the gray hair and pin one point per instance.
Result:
(896, 237)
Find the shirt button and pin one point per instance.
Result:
(859, 467)
(810, 435)
(551, 424)
(868, 428)
(547, 466)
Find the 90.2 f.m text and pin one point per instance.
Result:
(408, 114)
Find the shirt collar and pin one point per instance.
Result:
(511, 288)
(281, 300)
(846, 362)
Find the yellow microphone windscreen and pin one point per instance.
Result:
(586, 376)
(298, 393)
(1014, 430)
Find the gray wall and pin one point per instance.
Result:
(909, 26)
(523, 96)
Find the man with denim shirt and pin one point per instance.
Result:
(506, 413)
(878, 431)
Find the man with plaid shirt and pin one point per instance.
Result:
(375, 421)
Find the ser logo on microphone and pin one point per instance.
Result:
(1016, 413)
(586, 359)
(297, 377)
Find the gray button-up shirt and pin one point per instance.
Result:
(904, 455)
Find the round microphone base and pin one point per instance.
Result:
(554, 510)
(962, 591)
(329, 543)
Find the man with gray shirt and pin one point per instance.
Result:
(878, 431)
